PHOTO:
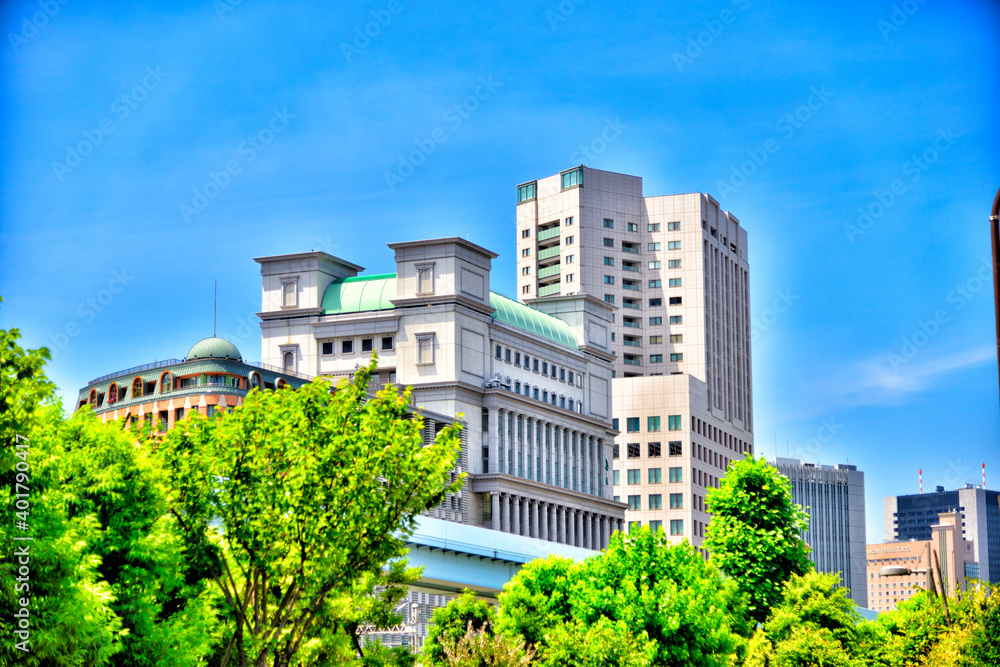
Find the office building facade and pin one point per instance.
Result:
(897, 570)
(676, 270)
(834, 499)
(533, 388)
(911, 517)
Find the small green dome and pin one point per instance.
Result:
(214, 348)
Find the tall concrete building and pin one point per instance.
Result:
(911, 517)
(834, 498)
(675, 267)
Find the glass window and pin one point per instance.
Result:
(676, 448)
(677, 526)
(674, 422)
(570, 258)
(655, 340)
(673, 263)
(673, 226)
(386, 342)
(614, 452)
(656, 358)
(675, 300)
(635, 502)
(525, 233)
(609, 243)
(673, 282)
(572, 178)
(673, 245)
(655, 476)
(656, 283)
(676, 501)
(328, 347)
(655, 302)
(609, 280)
(609, 223)
(367, 344)
(617, 477)
(289, 361)
(569, 221)
(654, 450)
(614, 423)
(610, 298)
(654, 265)
(654, 321)
(526, 192)
(632, 227)
(677, 319)
(526, 252)
(633, 450)
(653, 227)
(634, 476)
(677, 475)
(609, 261)
(653, 424)
(632, 424)
(656, 526)
(652, 246)
(676, 356)
(676, 338)
(525, 270)
(655, 501)
(570, 240)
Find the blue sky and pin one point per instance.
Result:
(150, 149)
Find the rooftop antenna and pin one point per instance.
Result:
(921, 473)
(215, 306)
(984, 476)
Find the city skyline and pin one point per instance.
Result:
(149, 152)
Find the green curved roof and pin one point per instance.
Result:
(357, 295)
(214, 348)
(367, 293)
(532, 320)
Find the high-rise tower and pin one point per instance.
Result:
(676, 268)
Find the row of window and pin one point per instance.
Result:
(656, 501)
(633, 266)
(166, 383)
(538, 366)
(636, 341)
(657, 302)
(653, 449)
(634, 284)
(650, 227)
(347, 345)
(636, 322)
(652, 246)
(674, 423)
(718, 436)
(676, 526)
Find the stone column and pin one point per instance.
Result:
(534, 519)
(495, 510)
(516, 515)
(544, 526)
(604, 532)
(505, 512)
(561, 525)
(595, 532)
(579, 529)
(571, 527)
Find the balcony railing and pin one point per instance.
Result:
(633, 343)
(546, 290)
(632, 362)
(631, 249)
(632, 325)
(547, 271)
(632, 286)
(626, 266)
(548, 252)
(547, 234)
(632, 305)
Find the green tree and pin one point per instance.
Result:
(815, 623)
(313, 490)
(538, 599)
(755, 533)
(451, 623)
(485, 649)
(605, 643)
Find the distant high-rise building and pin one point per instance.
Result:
(897, 570)
(911, 517)
(676, 269)
(834, 498)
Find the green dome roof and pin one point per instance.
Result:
(214, 348)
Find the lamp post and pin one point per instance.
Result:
(932, 564)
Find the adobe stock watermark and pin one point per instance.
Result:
(364, 34)
(827, 431)
(781, 304)
(453, 118)
(32, 25)
(901, 13)
(587, 153)
(910, 345)
(122, 107)
(786, 127)
(246, 152)
(562, 12)
(913, 169)
(88, 310)
(713, 30)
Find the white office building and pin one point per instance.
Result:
(533, 389)
(675, 268)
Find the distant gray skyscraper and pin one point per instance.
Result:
(834, 498)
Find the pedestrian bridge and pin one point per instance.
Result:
(455, 556)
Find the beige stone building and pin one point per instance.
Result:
(898, 570)
(532, 388)
(675, 268)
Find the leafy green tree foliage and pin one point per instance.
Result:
(815, 624)
(108, 582)
(313, 490)
(485, 649)
(451, 623)
(983, 644)
(754, 536)
(643, 601)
